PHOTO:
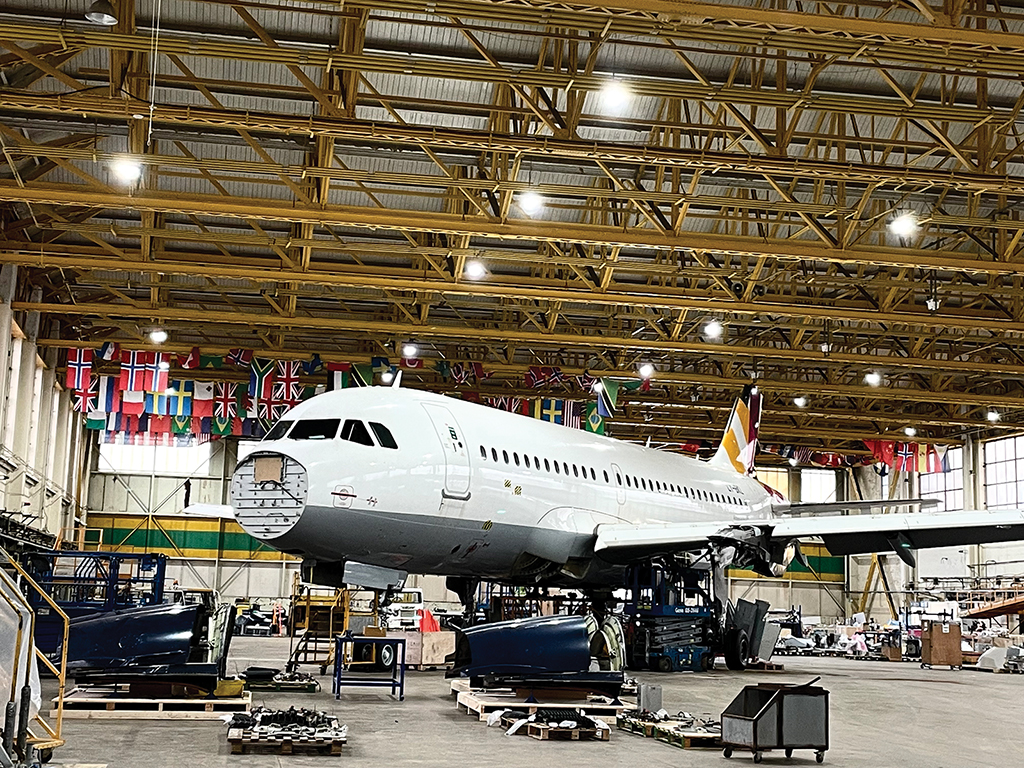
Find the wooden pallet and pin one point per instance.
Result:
(766, 666)
(642, 727)
(687, 739)
(287, 687)
(104, 702)
(246, 743)
(482, 704)
(544, 732)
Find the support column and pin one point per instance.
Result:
(21, 420)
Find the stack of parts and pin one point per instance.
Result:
(553, 717)
(290, 723)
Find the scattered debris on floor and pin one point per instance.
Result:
(683, 729)
(286, 732)
(271, 679)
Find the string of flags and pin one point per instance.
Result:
(909, 457)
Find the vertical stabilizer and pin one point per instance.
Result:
(739, 443)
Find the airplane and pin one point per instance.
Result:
(400, 481)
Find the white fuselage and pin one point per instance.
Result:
(469, 490)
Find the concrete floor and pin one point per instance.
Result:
(882, 714)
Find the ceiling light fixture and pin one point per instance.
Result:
(905, 225)
(127, 171)
(646, 371)
(800, 401)
(163, 365)
(992, 415)
(158, 335)
(792, 461)
(410, 350)
(102, 12)
(615, 96)
(714, 329)
(597, 386)
(475, 269)
(387, 377)
(531, 202)
(909, 431)
(873, 379)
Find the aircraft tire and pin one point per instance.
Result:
(737, 649)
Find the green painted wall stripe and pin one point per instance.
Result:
(154, 537)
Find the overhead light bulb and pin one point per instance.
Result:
(387, 377)
(531, 202)
(792, 461)
(873, 379)
(163, 365)
(410, 350)
(158, 336)
(102, 12)
(713, 329)
(646, 371)
(170, 391)
(909, 431)
(597, 386)
(475, 269)
(615, 96)
(800, 401)
(932, 303)
(905, 225)
(127, 171)
(992, 415)
(826, 347)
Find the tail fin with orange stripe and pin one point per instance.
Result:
(739, 443)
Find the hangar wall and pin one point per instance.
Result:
(41, 443)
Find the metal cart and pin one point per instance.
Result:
(777, 716)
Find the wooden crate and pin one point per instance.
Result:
(686, 739)
(97, 703)
(425, 649)
(246, 742)
(482, 704)
(544, 732)
(940, 645)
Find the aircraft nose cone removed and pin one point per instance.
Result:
(268, 494)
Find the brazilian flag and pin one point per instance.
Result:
(594, 421)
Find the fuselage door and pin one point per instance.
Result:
(456, 453)
(620, 489)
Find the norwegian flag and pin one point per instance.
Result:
(191, 360)
(225, 400)
(239, 357)
(158, 372)
(586, 382)
(287, 389)
(86, 400)
(134, 368)
(906, 457)
(541, 376)
(79, 369)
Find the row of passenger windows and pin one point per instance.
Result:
(631, 481)
(352, 430)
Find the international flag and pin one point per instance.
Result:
(86, 400)
(313, 365)
(107, 394)
(548, 409)
(202, 398)
(510, 404)
(181, 425)
(443, 368)
(222, 427)
(586, 382)
(573, 414)
(380, 364)
(191, 360)
(906, 457)
(133, 402)
(594, 421)
(158, 372)
(287, 389)
(239, 357)
(607, 398)
(110, 351)
(79, 369)
(261, 378)
(211, 361)
(96, 420)
(411, 362)
(360, 376)
(156, 403)
(939, 454)
(884, 451)
(225, 399)
(461, 373)
(179, 399)
(201, 426)
(337, 375)
(160, 424)
(541, 376)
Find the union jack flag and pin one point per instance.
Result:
(225, 400)
(507, 403)
(287, 389)
(79, 368)
(87, 400)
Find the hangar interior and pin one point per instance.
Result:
(617, 218)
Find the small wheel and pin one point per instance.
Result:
(727, 752)
(757, 757)
(665, 664)
(789, 753)
(819, 757)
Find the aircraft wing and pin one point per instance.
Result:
(842, 535)
(830, 507)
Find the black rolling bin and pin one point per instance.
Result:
(777, 716)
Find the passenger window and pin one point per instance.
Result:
(386, 439)
(547, 466)
(593, 475)
(515, 458)
(686, 492)
(536, 462)
(636, 483)
(279, 430)
(320, 429)
(557, 471)
(355, 432)
(483, 452)
(618, 478)
(566, 468)
(494, 454)
(605, 475)
(657, 485)
(628, 483)
(504, 455)
(575, 470)
(643, 483)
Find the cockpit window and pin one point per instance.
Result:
(385, 438)
(355, 432)
(314, 429)
(279, 430)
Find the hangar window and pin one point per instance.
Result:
(547, 465)
(948, 487)
(323, 429)
(279, 430)
(494, 454)
(354, 431)
(504, 455)
(386, 439)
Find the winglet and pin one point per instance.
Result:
(739, 443)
